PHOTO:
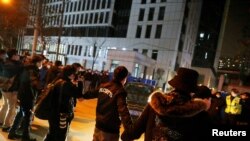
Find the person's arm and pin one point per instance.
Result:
(123, 109)
(138, 128)
(90, 94)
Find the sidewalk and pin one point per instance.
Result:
(81, 129)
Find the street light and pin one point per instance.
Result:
(6, 1)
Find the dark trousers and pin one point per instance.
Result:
(58, 128)
(25, 115)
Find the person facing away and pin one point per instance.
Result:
(174, 115)
(111, 108)
(62, 110)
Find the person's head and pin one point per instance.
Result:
(204, 93)
(37, 60)
(234, 92)
(68, 72)
(13, 54)
(77, 66)
(58, 63)
(185, 80)
(245, 95)
(217, 94)
(120, 74)
(2, 53)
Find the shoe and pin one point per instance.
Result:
(28, 139)
(6, 129)
(14, 136)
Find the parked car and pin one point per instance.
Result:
(138, 94)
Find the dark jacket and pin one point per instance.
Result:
(68, 91)
(10, 69)
(111, 105)
(180, 120)
(29, 86)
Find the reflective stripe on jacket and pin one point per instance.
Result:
(233, 106)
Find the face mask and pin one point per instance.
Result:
(234, 94)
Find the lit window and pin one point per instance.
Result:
(206, 55)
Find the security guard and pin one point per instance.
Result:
(233, 107)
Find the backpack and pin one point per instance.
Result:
(44, 102)
(162, 132)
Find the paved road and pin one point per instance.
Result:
(81, 129)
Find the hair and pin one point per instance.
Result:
(36, 58)
(120, 73)
(58, 63)
(11, 52)
(76, 65)
(68, 70)
(203, 92)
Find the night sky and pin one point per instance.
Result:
(238, 17)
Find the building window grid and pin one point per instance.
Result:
(80, 51)
(154, 54)
(143, 1)
(76, 49)
(161, 13)
(73, 20)
(151, 14)
(72, 50)
(79, 5)
(158, 31)
(98, 3)
(75, 5)
(141, 14)
(93, 4)
(82, 19)
(103, 4)
(88, 4)
(138, 31)
(83, 5)
(65, 19)
(96, 18)
(148, 31)
(91, 18)
(86, 18)
(109, 4)
(106, 17)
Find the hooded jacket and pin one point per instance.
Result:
(180, 119)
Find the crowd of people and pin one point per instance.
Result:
(167, 116)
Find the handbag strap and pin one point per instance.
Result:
(60, 95)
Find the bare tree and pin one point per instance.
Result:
(13, 18)
(97, 47)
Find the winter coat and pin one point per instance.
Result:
(170, 117)
(12, 68)
(68, 91)
(29, 86)
(111, 108)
